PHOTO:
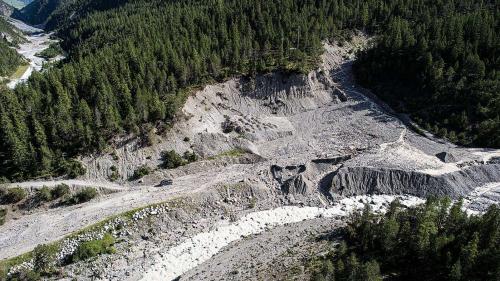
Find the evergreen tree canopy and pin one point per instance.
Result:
(434, 241)
(133, 62)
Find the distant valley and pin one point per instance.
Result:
(18, 4)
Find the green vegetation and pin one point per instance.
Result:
(171, 159)
(141, 172)
(438, 61)
(52, 51)
(132, 64)
(12, 195)
(44, 194)
(9, 58)
(45, 259)
(44, 264)
(60, 191)
(19, 71)
(434, 241)
(25, 275)
(237, 152)
(114, 174)
(3, 215)
(93, 248)
(84, 195)
(190, 156)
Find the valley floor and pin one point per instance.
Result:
(36, 42)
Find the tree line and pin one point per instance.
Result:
(434, 241)
(439, 62)
(9, 58)
(132, 63)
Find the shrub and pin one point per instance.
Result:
(60, 191)
(171, 159)
(52, 51)
(141, 172)
(44, 194)
(3, 214)
(13, 195)
(82, 196)
(45, 259)
(71, 168)
(190, 156)
(114, 176)
(93, 248)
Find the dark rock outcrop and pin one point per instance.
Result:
(446, 157)
(365, 180)
(291, 179)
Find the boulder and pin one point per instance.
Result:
(446, 157)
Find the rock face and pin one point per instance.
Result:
(447, 157)
(6, 9)
(291, 179)
(365, 180)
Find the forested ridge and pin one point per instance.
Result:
(9, 58)
(133, 62)
(441, 65)
(434, 241)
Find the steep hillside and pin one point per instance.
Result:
(131, 64)
(299, 140)
(134, 64)
(441, 66)
(9, 58)
(5, 9)
(37, 12)
(18, 4)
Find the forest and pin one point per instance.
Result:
(434, 241)
(132, 63)
(441, 65)
(9, 58)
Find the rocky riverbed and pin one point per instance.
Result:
(36, 41)
(279, 150)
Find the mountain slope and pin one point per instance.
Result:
(18, 4)
(132, 63)
(9, 58)
(37, 12)
(5, 9)
(442, 67)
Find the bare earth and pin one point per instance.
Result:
(297, 133)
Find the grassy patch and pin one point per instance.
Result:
(19, 71)
(82, 196)
(12, 195)
(104, 244)
(90, 249)
(237, 152)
